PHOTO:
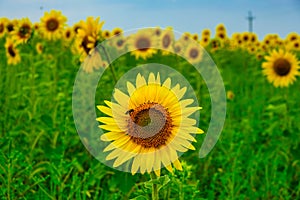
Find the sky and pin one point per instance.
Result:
(271, 16)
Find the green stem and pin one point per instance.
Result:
(154, 186)
(111, 65)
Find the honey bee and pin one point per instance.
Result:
(129, 112)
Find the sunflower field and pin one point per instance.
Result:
(150, 133)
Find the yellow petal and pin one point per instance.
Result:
(179, 92)
(158, 79)
(140, 81)
(130, 88)
(111, 136)
(150, 161)
(121, 98)
(167, 83)
(105, 110)
(123, 157)
(113, 128)
(157, 172)
(108, 103)
(136, 164)
(117, 143)
(151, 79)
(115, 153)
(106, 120)
(177, 165)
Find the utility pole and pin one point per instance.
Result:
(250, 19)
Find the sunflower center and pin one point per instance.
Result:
(149, 125)
(10, 27)
(11, 51)
(282, 67)
(194, 53)
(52, 24)
(221, 35)
(120, 43)
(143, 44)
(1, 28)
(68, 34)
(24, 30)
(166, 41)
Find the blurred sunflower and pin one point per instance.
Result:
(68, 34)
(195, 37)
(77, 26)
(36, 26)
(23, 31)
(116, 31)
(11, 25)
(220, 28)
(193, 53)
(166, 40)
(281, 68)
(204, 40)
(106, 34)
(149, 125)
(12, 54)
(52, 24)
(230, 95)
(292, 36)
(141, 44)
(39, 48)
(178, 47)
(205, 32)
(88, 36)
(2, 27)
(157, 31)
(119, 42)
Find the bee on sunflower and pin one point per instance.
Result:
(149, 126)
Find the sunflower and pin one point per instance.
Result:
(11, 25)
(68, 34)
(195, 37)
(105, 34)
(141, 44)
(23, 31)
(205, 32)
(52, 24)
(204, 40)
(220, 28)
(36, 26)
(166, 40)
(149, 126)
(245, 37)
(119, 42)
(230, 95)
(39, 48)
(193, 53)
(88, 36)
(12, 54)
(292, 37)
(2, 26)
(116, 31)
(281, 68)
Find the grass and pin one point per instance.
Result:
(42, 156)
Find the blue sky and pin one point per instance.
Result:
(271, 16)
